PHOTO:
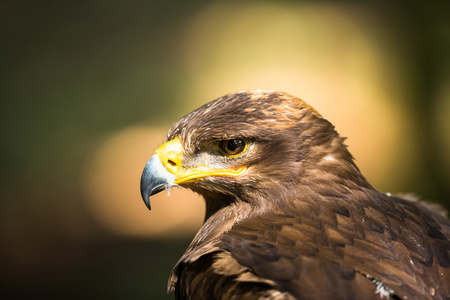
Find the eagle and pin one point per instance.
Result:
(288, 213)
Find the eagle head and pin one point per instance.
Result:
(250, 146)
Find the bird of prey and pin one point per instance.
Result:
(288, 213)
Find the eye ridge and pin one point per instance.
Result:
(232, 147)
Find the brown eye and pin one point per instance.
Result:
(232, 147)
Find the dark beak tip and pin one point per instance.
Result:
(145, 194)
(147, 203)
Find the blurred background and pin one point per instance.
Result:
(90, 88)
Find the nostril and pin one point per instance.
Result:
(171, 163)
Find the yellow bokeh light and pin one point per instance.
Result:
(112, 188)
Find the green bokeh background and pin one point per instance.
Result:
(72, 73)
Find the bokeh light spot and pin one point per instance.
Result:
(112, 187)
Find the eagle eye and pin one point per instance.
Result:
(232, 147)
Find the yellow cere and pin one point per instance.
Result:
(171, 155)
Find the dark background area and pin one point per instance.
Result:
(73, 73)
